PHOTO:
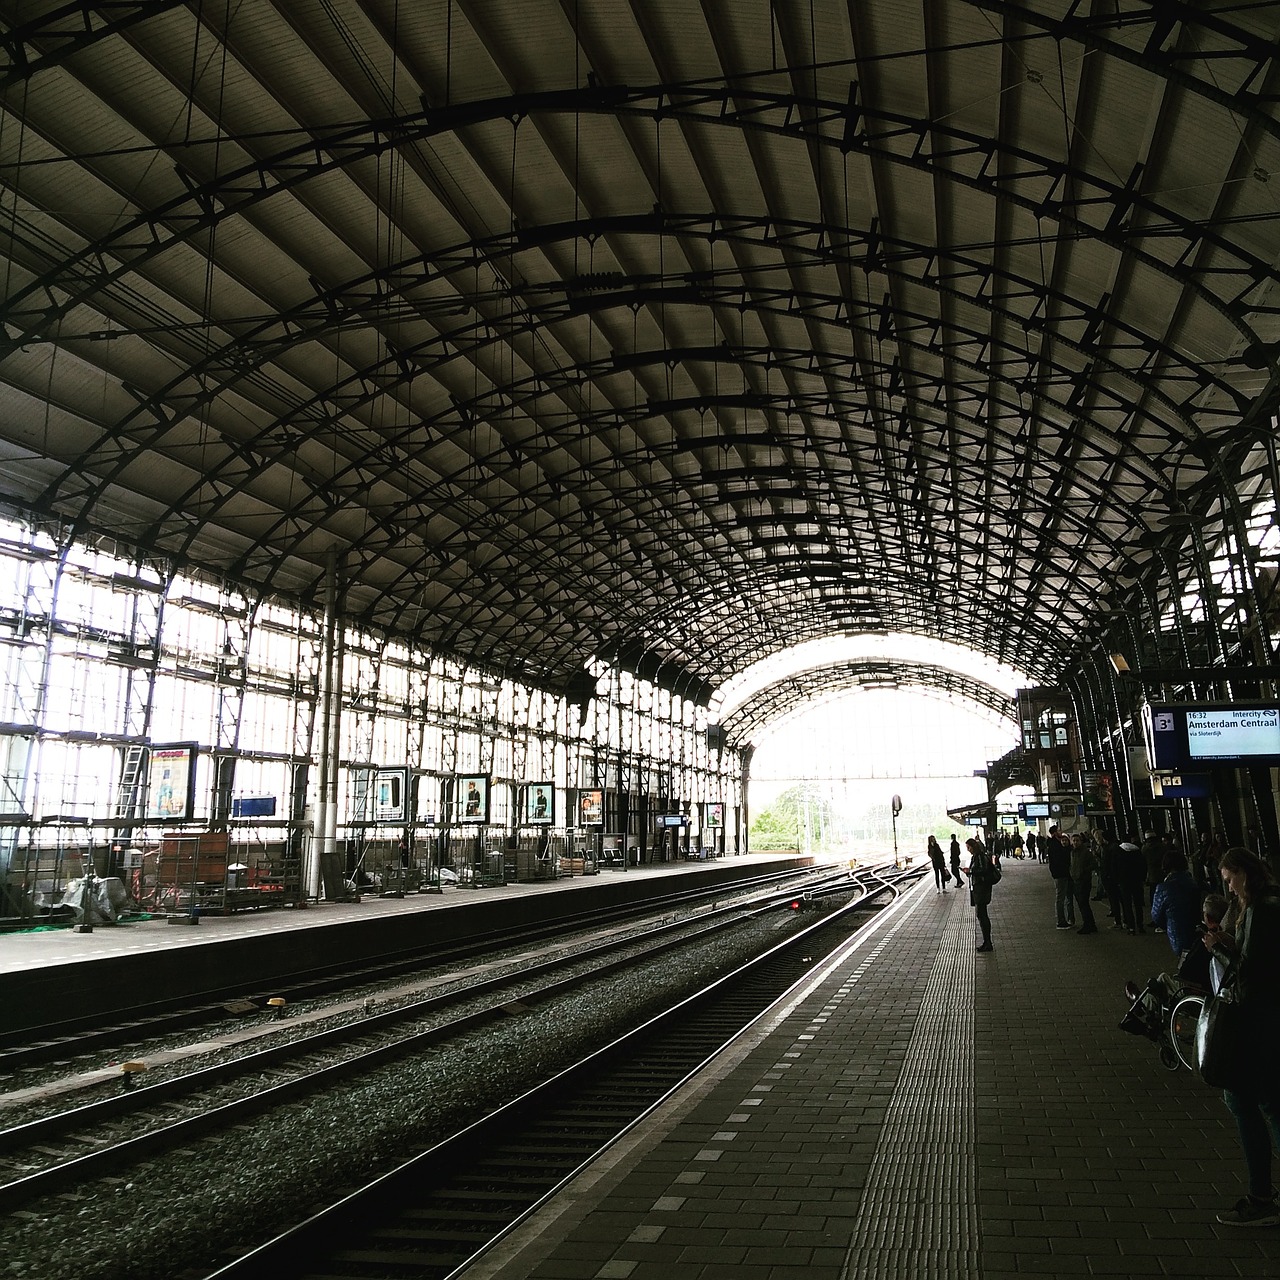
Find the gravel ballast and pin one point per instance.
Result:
(179, 1214)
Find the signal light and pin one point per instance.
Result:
(795, 904)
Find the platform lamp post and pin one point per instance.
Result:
(895, 806)
(88, 890)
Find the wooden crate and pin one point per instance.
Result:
(200, 857)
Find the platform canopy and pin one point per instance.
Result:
(663, 332)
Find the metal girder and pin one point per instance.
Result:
(827, 347)
(1158, 54)
(36, 44)
(781, 698)
(894, 138)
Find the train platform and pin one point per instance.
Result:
(60, 974)
(919, 1110)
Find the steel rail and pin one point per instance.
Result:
(434, 1214)
(613, 954)
(77, 1038)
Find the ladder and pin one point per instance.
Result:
(128, 791)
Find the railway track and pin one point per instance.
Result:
(79, 1040)
(433, 1214)
(74, 1146)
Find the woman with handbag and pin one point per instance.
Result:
(1253, 1095)
(940, 873)
(983, 873)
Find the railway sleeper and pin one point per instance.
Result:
(462, 1198)
(443, 1226)
(401, 1257)
(430, 1219)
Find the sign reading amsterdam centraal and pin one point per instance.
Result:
(1236, 734)
(1181, 735)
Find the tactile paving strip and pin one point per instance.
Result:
(918, 1213)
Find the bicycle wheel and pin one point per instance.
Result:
(1182, 1029)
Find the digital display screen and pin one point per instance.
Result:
(253, 807)
(1233, 735)
(1036, 809)
(1180, 736)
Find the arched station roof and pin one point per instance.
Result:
(776, 701)
(677, 332)
(771, 690)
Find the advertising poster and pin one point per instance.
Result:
(539, 804)
(170, 782)
(390, 789)
(714, 816)
(1099, 797)
(473, 798)
(590, 808)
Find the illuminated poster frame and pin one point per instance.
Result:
(539, 804)
(171, 782)
(472, 798)
(713, 816)
(591, 808)
(1098, 789)
(391, 795)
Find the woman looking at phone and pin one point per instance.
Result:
(1254, 1097)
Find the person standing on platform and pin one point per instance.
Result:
(1153, 852)
(1133, 874)
(1254, 1095)
(982, 876)
(954, 852)
(1097, 841)
(1058, 854)
(1176, 906)
(934, 850)
(1109, 874)
(1082, 881)
(1031, 845)
(1210, 859)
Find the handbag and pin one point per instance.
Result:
(946, 876)
(1221, 1048)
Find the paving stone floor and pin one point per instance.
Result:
(921, 1111)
